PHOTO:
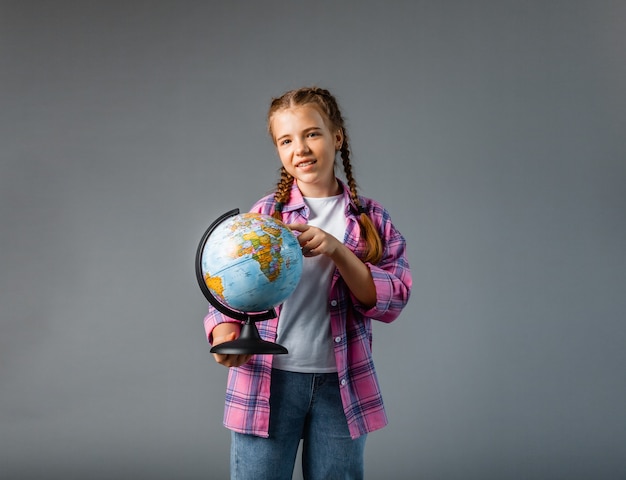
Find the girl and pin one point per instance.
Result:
(325, 390)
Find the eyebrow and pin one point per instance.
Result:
(305, 131)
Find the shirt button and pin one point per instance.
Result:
(333, 303)
(337, 339)
(343, 382)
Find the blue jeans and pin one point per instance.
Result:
(302, 406)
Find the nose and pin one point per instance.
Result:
(301, 146)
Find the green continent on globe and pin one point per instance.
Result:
(263, 243)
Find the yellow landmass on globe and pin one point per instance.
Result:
(214, 284)
(274, 232)
(261, 251)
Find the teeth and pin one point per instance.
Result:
(306, 164)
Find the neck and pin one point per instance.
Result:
(320, 191)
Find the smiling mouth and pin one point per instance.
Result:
(306, 164)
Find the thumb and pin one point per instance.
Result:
(224, 338)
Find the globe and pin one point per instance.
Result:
(251, 262)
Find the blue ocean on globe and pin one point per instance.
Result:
(251, 262)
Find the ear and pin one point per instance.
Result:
(338, 139)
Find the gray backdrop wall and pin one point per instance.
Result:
(493, 131)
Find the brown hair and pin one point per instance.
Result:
(328, 106)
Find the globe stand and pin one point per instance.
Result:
(249, 341)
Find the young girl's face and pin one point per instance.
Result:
(307, 147)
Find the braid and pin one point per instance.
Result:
(374, 249)
(283, 192)
(347, 170)
(326, 103)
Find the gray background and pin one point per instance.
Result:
(492, 131)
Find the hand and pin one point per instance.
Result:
(229, 360)
(358, 277)
(315, 241)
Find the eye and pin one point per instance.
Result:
(285, 141)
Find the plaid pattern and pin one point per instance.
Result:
(247, 395)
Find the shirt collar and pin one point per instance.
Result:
(296, 200)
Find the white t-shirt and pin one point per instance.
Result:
(304, 324)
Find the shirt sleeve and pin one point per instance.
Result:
(392, 276)
(212, 319)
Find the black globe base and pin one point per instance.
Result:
(249, 343)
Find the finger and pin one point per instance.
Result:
(298, 227)
(310, 248)
(303, 235)
(230, 360)
(221, 358)
(226, 359)
(243, 359)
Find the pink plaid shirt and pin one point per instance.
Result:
(247, 408)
